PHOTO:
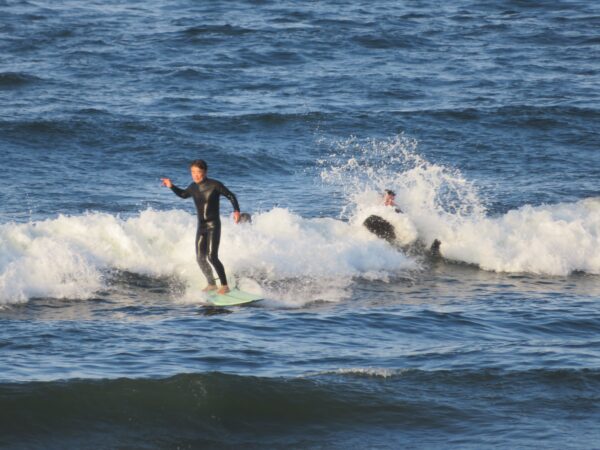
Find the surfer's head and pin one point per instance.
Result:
(389, 197)
(198, 169)
(245, 218)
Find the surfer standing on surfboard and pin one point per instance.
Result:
(206, 193)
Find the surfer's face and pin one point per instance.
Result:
(197, 174)
(388, 200)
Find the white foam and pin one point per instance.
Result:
(439, 203)
(549, 239)
(316, 257)
(66, 257)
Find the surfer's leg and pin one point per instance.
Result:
(214, 239)
(201, 257)
(435, 248)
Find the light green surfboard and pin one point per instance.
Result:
(232, 298)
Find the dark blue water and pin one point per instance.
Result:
(484, 119)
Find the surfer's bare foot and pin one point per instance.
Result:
(223, 290)
(210, 287)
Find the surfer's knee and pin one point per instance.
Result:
(202, 260)
(213, 257)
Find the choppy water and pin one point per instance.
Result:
(483, 117)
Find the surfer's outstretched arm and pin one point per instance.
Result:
(183, 193)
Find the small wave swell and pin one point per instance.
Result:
(221, 408)
(226, 30)
(10, 80)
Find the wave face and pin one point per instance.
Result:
(220, 410)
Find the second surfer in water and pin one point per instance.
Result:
(389, 199)
(206, 193)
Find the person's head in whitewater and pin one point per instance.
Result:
(389, 197)
(198, 169)
(245, 218)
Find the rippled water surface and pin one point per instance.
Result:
(482, 117)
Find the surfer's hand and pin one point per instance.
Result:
(167, 182)
(236, 216)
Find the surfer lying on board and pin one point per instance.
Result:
(206, 193)
(385, 230)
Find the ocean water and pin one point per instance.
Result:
(484, 118)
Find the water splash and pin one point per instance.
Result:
(430, 194)
(438, 202)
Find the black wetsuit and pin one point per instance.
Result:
(208, 235)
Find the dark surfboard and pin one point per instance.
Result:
(380, 228)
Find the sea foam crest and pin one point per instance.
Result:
(66, 257)
(549, 239)
(440, 203)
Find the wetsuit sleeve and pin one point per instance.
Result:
(230, 196)
(183, 193)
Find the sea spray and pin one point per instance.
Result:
(431, 196)
(364, 167)
(438, 202)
